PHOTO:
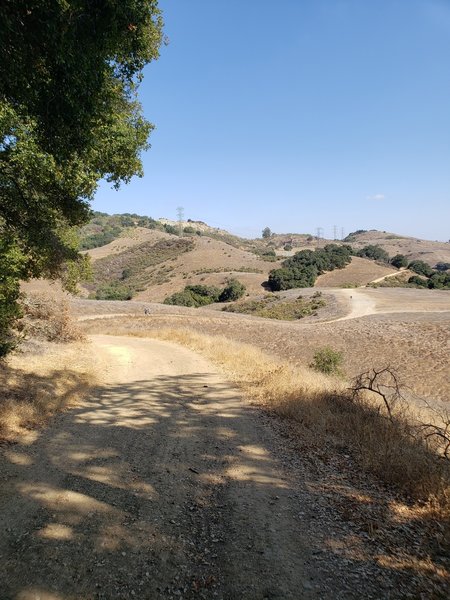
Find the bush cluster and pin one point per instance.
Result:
(437, 281)
(102, 229)
(201, 295)
(399, 261)
(427, 277)
(328, 361)
(302, 269)
(374, 252)
(273, 307)
(421, 268)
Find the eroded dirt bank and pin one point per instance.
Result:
(165, 484)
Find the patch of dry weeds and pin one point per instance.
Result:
(37, 384)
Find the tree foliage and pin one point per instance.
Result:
(374, 252)
(302, 269)
(399, 261)
(202, 295)
(266, 233)
(232, 291)
(421, 268)
(69, 116)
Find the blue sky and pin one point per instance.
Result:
(298, 114)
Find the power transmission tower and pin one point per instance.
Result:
(335, 235)
(180, 215)
(342, 233)
(319, 232)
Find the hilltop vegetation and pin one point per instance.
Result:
(156, 270)
(102, 229)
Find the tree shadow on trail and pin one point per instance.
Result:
(169, 488)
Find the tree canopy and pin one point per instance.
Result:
(69, 116)
(302, 269)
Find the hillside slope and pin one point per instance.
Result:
(211, 262)
(413, 248)
(360, 271)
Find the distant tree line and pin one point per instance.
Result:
(302, 269)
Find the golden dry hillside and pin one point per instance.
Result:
(129, 238)
(413, 248)
(360, 271)
(211, 262)
(161, 263)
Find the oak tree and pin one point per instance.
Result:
(69, 116)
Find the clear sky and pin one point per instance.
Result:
(298, 114)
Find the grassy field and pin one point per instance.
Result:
(359, 272)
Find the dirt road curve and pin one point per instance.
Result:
(164, 485)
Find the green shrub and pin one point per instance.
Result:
(443, 266)
(194, 295)
(421, 268)
(418, 281)
(374, 252)
(328, 361)
(202, 295)
(399, 261)
(113, 291)
(184, 298)
(302, 269)
(439, 281)
(170, 229)
(233, 291)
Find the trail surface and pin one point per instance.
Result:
(166, 484)
(163, 485)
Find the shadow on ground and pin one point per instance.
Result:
(169, 488)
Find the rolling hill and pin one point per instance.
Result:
(146, 259)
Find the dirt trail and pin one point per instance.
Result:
(163, 485)
(166, 484)
(360, 305)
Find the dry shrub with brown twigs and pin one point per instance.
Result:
(48, 318)
(37, 384)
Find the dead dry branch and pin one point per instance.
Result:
(383, 383)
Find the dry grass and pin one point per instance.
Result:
(359, 272)
(48, 318)
(36, 385)
(44, 377)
